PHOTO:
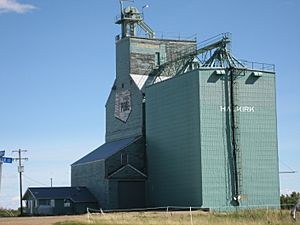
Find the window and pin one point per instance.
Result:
(67, 203)
(157, 59)
(44, 202)
(124, 158)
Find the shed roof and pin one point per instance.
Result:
(75, 194)
(106, 150)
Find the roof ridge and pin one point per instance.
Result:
(106, 150)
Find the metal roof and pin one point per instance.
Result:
(75, 194)
(106, 150)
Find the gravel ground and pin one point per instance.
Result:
(47, 220)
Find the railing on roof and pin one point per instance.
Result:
(167, 36)
(176, 36)
(258, 65)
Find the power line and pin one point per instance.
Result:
(290, 169)
(33, 180)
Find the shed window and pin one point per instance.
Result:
(67, 203)
(44, 202)
(124, 158)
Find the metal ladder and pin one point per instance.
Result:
(236, 133)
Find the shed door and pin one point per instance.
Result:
(131, 194)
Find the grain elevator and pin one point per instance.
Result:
(187, 124)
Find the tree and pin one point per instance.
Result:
(288, 201)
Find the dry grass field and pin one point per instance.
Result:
(247, 217)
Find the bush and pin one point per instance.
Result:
(288, 201)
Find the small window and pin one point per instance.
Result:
(157, 59)
(124, 158)
(122, 85)
(44, 202)
(67, 203)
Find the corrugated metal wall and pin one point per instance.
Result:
(173, 142)
(92, 176)
(189, 140)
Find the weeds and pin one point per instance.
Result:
(245, 217)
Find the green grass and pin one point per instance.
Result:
(9, 212)
(246, 217)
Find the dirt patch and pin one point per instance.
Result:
(47, 220)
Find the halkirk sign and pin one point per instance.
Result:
(246, 109)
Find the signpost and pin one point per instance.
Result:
(2, 153)
(20, 169)
(6, 160)
(3, 160)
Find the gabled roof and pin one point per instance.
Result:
(75, 194)
(127, 172)
(106, 150)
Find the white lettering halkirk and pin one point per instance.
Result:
(238, 109)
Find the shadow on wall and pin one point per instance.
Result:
(251, 79)
(213, 78)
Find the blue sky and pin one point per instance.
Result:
(57, 65)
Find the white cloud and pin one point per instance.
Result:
(14, 6)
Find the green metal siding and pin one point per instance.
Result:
(173, 142)
(257, 141)
(92, 176)
(117, 129)
(136, 158)
(188, 136)
(122, 58)
(215, 169)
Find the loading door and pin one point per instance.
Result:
(131, 194)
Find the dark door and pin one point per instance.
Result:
(131, 194)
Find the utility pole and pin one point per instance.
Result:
(20, 170)
(51, 181)
(0, 174)
(1, 155)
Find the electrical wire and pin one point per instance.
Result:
(35, 181)
(291, 170)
